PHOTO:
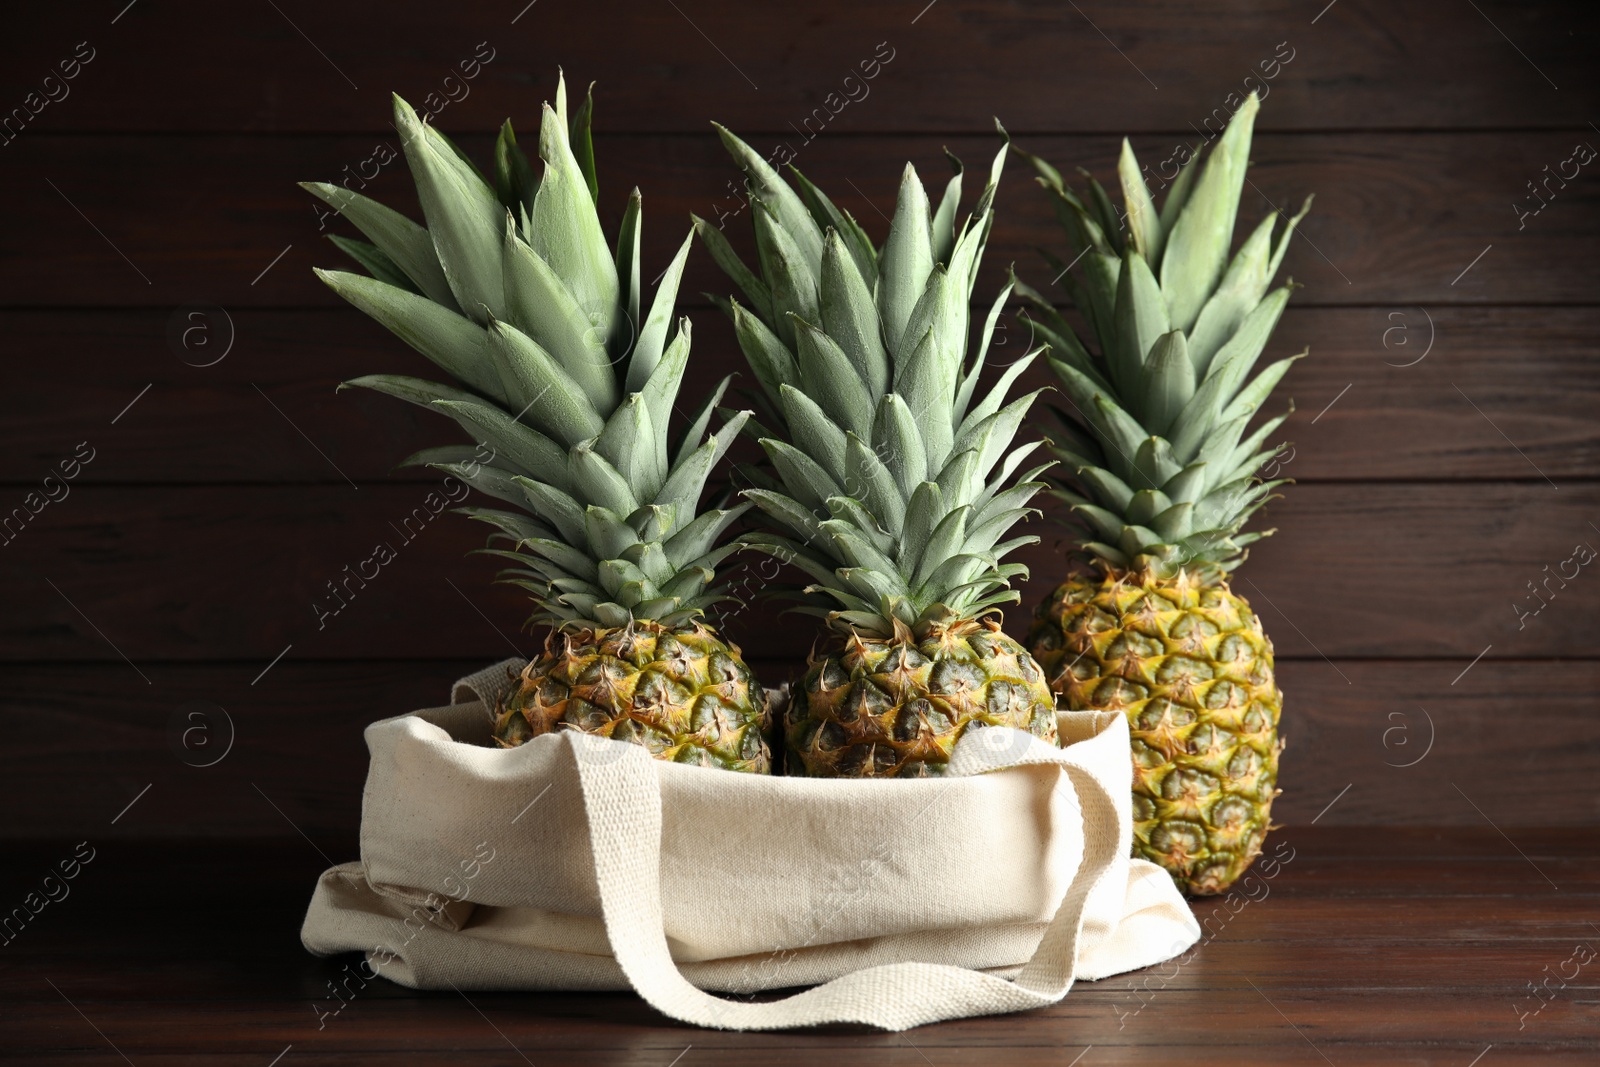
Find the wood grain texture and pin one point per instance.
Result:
(1398, 217)
(1400, 747)
(1100, 65)
(1413, 375)
(1452, 861)
(239, 572)
(1316, 986)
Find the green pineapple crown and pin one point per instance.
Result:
(513, 290)
(1166, 477)
(894, 487)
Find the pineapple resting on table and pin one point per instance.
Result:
(1165, 478)
(894, 485)
(513, 290)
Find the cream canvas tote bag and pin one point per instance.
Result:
(577, 863)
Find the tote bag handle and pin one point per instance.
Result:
(622, 798)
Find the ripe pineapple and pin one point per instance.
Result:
(1165, 480)
(513, 291)
(894, 488)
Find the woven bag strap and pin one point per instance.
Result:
(622, 797)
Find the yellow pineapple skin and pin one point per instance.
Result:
(1186, 660)
(894, 707)
(681, 692)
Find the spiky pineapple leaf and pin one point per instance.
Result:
(897, 440)
(653, 334)
(830, 379)
(660, 392)
(1238, 293)
(515, 182)
(1197, 246)
(464, 217)
(530, 450)
(556, 505)
(944, 219)
(1170, 382)
(769, 189)
(814, 432)
(687, 480)
(630, 295)
(770, 359)
(583, 142)
(538, 388)
(403, 241)
(448, 339)
(377, 264)
(629, 443)
(1144, 225)
(849, 316)
(755, 291)
(539, 304)
(828, 216)
(904, 265)
(868, 480)
(790, 276)
(566, 230)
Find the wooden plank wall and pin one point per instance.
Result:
(1446, 439)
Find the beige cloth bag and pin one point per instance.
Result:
(575, 863)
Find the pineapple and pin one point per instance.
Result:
(1165, 479)
(513, 291)
(894, 486)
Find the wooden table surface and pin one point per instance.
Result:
(157, 214)
(1369, 946)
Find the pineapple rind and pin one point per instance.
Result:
(895, 708)
(1187, 662)
(681, 692)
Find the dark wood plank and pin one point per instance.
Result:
(1352, 994)
(1422, 570)
(1224, 964)
(161, 988)
(83, 741)
(1399, 218)
(1280, 1012)
(1421, 1054)
(1217, 1050)
(1445, 842)
(170, 66)
(1378, 920)
(1411, 749)
(1407, 413)
(240, 572)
